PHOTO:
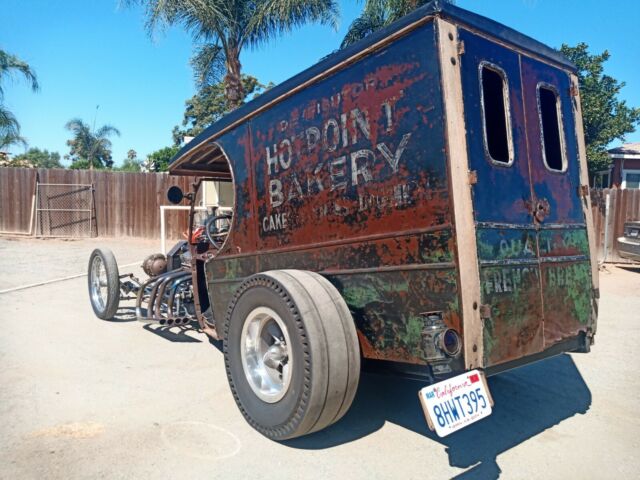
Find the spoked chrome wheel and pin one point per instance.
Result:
(265, 349)
(98, 286)
(104, 283)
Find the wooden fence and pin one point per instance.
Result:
(126, 204)
(624, 205)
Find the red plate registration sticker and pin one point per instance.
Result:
(456, 403)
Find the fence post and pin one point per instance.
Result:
(606, 228)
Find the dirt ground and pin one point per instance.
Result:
(84, 398)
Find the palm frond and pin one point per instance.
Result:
(77, 126)
(7, 120)
(378, 14)
(9, 130)
(9, 140)
(224, 27)
(106, 131)
(275, 17)
(374, 16)
(10, 64)
(208, 64)
(201, 18)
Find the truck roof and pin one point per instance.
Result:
(436, 8)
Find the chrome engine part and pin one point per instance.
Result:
(155, 264)
(168, 298)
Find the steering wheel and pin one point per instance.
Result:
(217, 235)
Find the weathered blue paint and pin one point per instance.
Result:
(525, 302)
(349, 176)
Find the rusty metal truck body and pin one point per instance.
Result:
(416, 201)
(373, 168)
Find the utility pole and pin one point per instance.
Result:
(93, 134)
(94, 120)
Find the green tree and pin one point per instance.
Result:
(36, 158)
(83, 164)
(222, 28)
(11, 65)
(210, 104)
(605, 117)
(158, 161)
(131, 163)
(88, 146)
(377, 14)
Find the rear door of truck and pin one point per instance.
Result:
(531, 233)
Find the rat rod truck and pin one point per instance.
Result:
(416, 202)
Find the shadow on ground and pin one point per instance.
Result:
(177, 334)
(528, 401)
(174, 333)
(630, 268)
(124, 314)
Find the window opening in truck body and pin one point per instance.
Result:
(496, 115)
(551, 131)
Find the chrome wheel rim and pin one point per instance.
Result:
(265, 348)
(99, 285)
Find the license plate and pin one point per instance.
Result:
(634, 233)
(456, 403)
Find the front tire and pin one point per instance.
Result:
(104, 283)
(291, 353)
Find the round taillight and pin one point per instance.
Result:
(450, 342)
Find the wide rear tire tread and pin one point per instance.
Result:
(328, 339)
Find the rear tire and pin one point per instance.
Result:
(104, 283)
(306, 342)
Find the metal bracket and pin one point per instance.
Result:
(583, 190)
(485, 311)
(473, 177)
(460, 48)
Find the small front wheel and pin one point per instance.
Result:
(104, 283)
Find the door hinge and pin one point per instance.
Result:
(473, 177)
(583, 191)
(596, 293)
(485, 312)
(460, 48)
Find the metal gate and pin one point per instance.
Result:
(64, 210)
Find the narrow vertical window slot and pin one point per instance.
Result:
(552, 134)
(495, 114)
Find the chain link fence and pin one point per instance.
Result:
(65, 210)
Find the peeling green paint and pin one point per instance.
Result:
(503, 244)
(364, 291)
(570, 285)
(412, 334)
(388, 307)
(563, 242)
(513, 294)
(233, 269)
(435, 247)
(579, 292)
(489, 339)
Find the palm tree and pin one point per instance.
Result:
(9, 130)
(377, 14)
(90, 145)
(9, 126)
(223, 28)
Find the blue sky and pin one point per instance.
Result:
(89, 52)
